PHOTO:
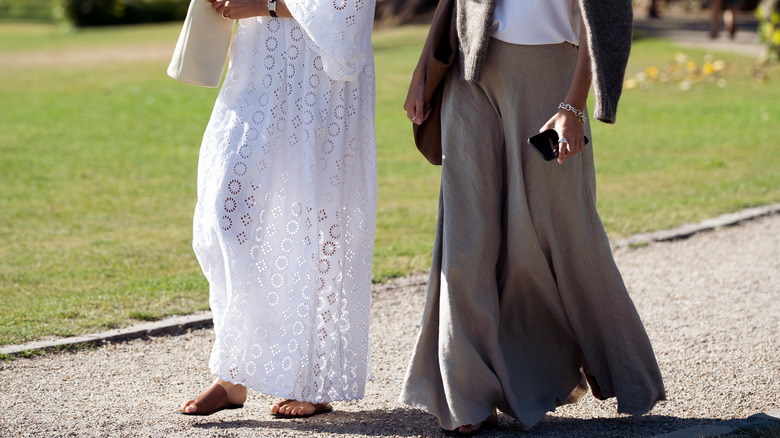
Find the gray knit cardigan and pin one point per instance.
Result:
(608, 26)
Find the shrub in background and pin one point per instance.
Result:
(768, 13)
(82, 13)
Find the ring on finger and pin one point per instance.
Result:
(563, 140)
(223, 15)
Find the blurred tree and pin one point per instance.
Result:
(768, 13)
(83, 13)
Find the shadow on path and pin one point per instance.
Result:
(406, 423)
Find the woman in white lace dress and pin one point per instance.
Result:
(284, 224)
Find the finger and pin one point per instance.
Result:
(411, 110)
(420, 114)
(563, 146)
(415, 111)
(576, 147)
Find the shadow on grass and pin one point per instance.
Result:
(411, 422)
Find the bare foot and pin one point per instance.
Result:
(220, 395)
(294, 408)
(471, 429)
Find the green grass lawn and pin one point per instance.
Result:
(98, 161)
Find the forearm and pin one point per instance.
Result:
(577, 96)
(237, 9)
(419, 70)
(569, 122)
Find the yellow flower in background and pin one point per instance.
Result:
(652, 72)
(684, 71)
(776, 38)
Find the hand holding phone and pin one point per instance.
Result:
(546, 144)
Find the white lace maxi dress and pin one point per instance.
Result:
(284, 224)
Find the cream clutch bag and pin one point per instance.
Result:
(203, 45)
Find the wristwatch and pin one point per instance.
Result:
(272, 8)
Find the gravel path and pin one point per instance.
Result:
(710, 305)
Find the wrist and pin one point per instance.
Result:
(581, 116)
(419, 73)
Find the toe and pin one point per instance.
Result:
(279, 407)
(469, 428)
(306, 409)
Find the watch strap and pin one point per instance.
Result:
(272, 8)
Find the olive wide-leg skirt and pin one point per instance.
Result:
(525, 303)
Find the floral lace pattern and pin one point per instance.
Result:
(285, 219)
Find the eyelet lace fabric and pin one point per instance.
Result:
(284, 224)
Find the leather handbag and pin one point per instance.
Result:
(202, 48)
(442, 53)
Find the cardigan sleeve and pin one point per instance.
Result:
(609, 27)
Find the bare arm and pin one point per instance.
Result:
(566, 123)
(415, 97)
(236, 9)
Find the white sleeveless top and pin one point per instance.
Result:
(534, 22)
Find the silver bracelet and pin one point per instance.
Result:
(580, 114)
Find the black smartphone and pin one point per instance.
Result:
(546, 144)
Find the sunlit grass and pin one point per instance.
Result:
(98, 167)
